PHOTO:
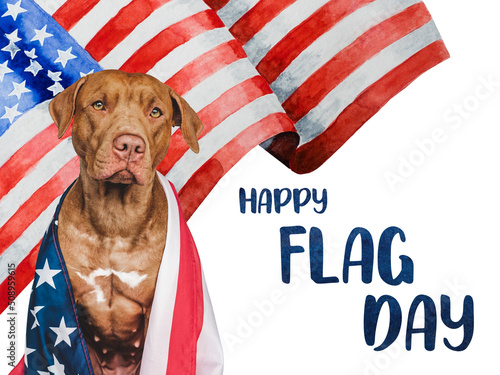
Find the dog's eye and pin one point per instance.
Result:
(156, 112)
(99, 106)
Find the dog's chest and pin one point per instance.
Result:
(113, 281)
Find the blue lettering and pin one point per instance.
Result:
(366, 261)
(287, 250)
(282, 197)
(316, 258)
(265, 199)
(297, 202)
(372, 312)
(466, 321)
(430, 322)
(323, 200)
(384, 259)
(244, 200)
(278, 203)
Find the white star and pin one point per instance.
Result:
(12, 48)
(82, 74)
(64, 56)
(14, 10)
(31, 54)
(34, 67)
(63, 332)
(4, 69)
(19, 89)
(46, 274)
(11, 113)
(56, 368)
(43, 372)
(34, 312)
(13, 36)
(27, 352)
(56, 88)
(54, 76)
(41, 35)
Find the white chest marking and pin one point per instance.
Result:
(132, 279)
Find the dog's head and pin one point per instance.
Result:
(122, 124)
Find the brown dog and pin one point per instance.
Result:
(112, 224)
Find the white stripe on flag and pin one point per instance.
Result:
(218, 83)
(221, 135)
(162, 18)
(189, 51)
(46, 168)
(22, 315)
(95, 19)
(339, 37)
(157, 343)
(50, 6)
(22, 130)
(317, 120)
(262, 42)
(234, 10)
(16, 252)
(209, 355)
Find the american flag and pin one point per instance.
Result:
(306, 73)
(55, 342)
(333, 63)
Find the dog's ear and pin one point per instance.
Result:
(185, 117)
(62, 107)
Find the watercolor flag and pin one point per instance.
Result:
(55, 340)
(332, 64)
(299, 77)
(192, 52)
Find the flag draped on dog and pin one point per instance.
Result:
(182, 336)
(299, 75)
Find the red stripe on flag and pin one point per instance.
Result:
(37, 203)
(212, 115)
(187, 319)
(232, 101)
(25, 271)
(120, 26)
(316, 87)
(73, 11)
(216, 4)
(257, 17)
(19, 369)
(205, 65)
(172, 37)
(26, 158)
(313, 154)
(204, 179)
(288, 48)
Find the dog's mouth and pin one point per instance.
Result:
(108, 165)
(122, 177)
(125, 175)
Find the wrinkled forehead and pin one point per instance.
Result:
(116, 87)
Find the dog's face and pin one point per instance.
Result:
(122, 124)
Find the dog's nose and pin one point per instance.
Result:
(129, 147)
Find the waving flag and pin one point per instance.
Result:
(37, 60)
(301, 75)
(183, 43)
(333, 64)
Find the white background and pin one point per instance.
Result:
(447, 205)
